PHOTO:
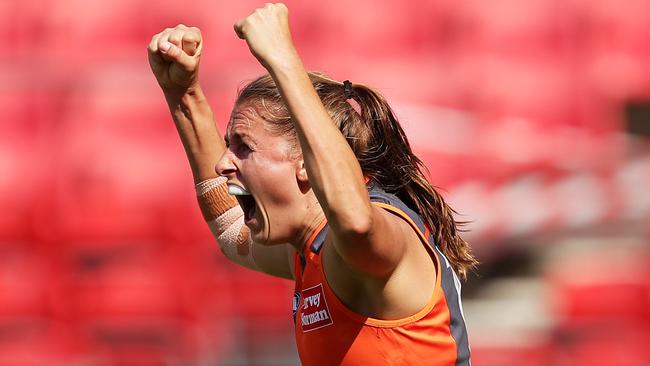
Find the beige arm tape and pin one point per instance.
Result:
(226, 221)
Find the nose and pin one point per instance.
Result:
(225, 166)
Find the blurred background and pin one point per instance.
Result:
(532, 116)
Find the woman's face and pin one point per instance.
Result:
(261, 164)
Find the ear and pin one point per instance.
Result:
(301, 176)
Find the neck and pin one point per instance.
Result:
(313, 217)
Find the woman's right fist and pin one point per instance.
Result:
(174, 56)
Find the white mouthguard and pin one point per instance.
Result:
(237, 190)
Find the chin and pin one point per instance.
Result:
(261, 238)
(265, 240)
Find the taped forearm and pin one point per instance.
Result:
(226, 221)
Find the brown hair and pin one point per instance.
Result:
(382, 149)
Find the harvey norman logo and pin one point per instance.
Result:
(314, 313)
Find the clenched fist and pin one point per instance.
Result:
(266, 31)
(174, 56)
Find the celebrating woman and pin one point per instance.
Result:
(329, 194)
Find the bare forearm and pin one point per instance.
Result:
(334, 172)
(195, 124)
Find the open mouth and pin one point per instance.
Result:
(245, 199)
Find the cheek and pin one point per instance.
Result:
(275, 181)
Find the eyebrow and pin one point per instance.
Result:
(239, 135)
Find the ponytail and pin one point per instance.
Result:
(397, 170)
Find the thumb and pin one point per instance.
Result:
(173, 53)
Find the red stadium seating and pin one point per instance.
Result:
(603, 343)
(623, 277)
(520, 28)
(25, 148)
(104, 255)
(513, 356)
(120, 163)
(24, 288)
(146, 308)
(263, 305)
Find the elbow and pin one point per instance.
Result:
(357, 225)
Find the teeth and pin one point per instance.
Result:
(237, 190)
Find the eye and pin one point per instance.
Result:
(241, 149)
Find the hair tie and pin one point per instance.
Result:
(349, 91)
(349, 96)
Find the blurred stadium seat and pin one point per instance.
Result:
(119, 161)
(603, 343)
(148, 307)
(24, 287)
(513, 356)
(580, 280)
(518, 28)
(24, 149)
(262, 306)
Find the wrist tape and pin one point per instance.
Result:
(226, 221)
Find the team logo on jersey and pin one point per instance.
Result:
(296, 302)
(314, 313)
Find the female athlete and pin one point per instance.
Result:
(329, 194)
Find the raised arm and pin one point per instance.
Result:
(366, 237)
(174, 56)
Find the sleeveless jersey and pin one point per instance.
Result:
(329, 333)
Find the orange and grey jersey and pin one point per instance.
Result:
(329, 333)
